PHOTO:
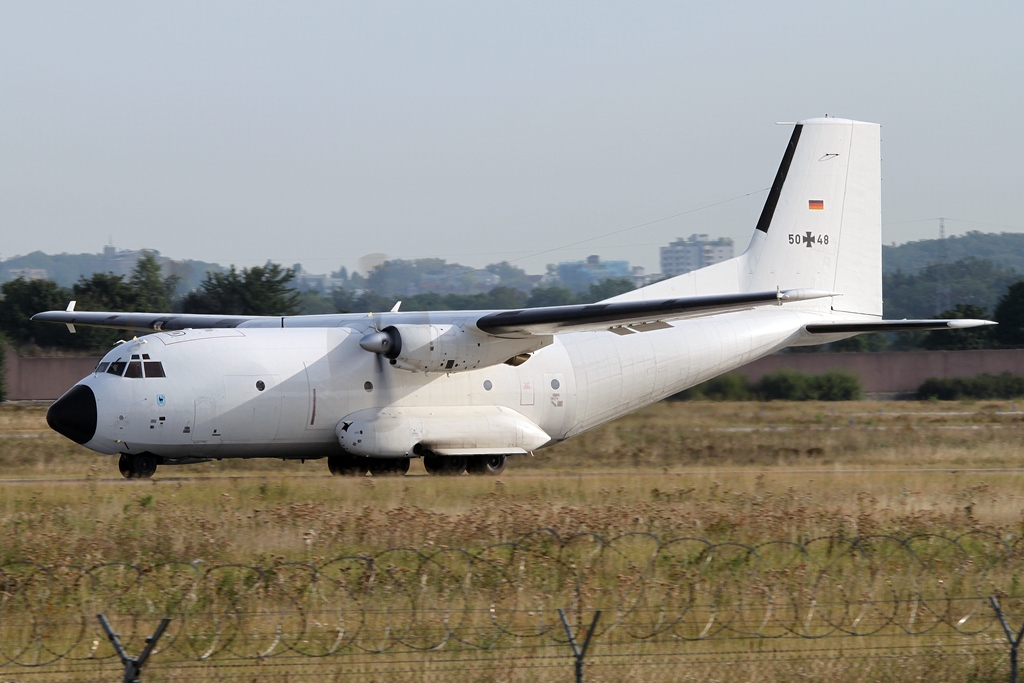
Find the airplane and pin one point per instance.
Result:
(463, 390)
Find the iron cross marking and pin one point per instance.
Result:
(809, 239)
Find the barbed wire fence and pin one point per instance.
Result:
(544, 607)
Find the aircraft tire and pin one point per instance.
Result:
(444, 465)
(389, 467)
(486, 464)
(137, 465)
(347, 465)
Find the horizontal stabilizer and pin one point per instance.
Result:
(893, 326)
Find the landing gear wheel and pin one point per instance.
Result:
(486, 464)
(124, 463)
(389, 467)
(444, 465)
(137, 466)
(347, 465)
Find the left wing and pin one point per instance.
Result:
(153, 321)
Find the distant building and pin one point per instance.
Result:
(27, 273)
(579, 275)
(683, 256)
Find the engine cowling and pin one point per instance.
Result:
(445, 348)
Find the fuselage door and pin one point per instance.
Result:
(204, 428)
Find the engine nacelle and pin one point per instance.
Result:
(445, 348)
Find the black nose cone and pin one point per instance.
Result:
(74, 414)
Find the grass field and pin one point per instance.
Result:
(728, 472)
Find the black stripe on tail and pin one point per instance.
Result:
(780, 178)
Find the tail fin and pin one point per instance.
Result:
(820, 227)
(821, 224)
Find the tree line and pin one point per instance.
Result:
(260, 290)
(269, 290)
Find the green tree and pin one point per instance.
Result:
(606, 289)
(24, 298)
(260, 290)
(550, 296)
(959, 340)
(511, 276)
(1009, 314)
(154, 293)
(974, 281)
(862, 342)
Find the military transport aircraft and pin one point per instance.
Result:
(465, 389)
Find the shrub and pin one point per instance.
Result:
(730, 387)
(783, 385)
(3, 370)
(984, 386)
(791, 385)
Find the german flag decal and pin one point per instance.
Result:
(816, 204)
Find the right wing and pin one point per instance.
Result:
(621, 315)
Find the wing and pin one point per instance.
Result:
(621, 316)
(153, 321)
(893, 325)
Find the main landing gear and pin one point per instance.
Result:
(137, 465)
(454, 465)
(356, 466)
(438, 465)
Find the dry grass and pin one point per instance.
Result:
(729, 472)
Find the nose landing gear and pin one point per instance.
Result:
(137, 465)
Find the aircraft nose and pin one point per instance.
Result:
(74, 414)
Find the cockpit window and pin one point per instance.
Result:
(134, 369)
(154, 368)
(102, 367)
(117, 367)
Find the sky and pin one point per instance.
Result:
(317, 133)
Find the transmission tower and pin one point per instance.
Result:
(943, 295)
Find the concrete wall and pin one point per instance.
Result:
(896, 372)
(44, 378)
(880, 373)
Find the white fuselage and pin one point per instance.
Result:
(282, 392)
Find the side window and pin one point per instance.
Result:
(134, 369)
(154, 368)
(117, 367)
(102, 367)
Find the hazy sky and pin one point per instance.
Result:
(479, 131)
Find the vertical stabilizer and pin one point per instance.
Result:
(821, 224)
(820, 227)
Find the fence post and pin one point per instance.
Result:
(577, 651)
(1014, 642)
(133, 665)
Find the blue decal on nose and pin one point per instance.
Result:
(160, 399)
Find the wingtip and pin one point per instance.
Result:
(968, 323)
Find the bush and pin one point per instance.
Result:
(984, 386)
(791, 385)
(783, 385)
(731, 387)
(3, 370)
